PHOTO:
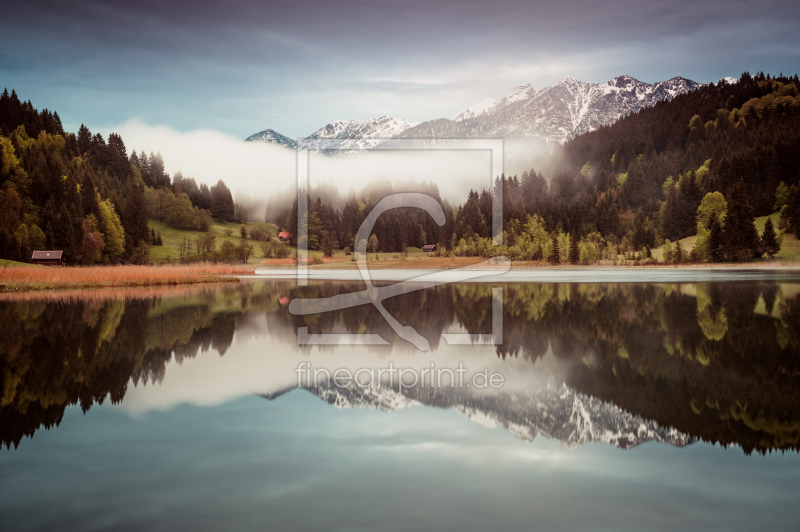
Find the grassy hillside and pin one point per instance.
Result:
(790, 250)
(10, 263)
(172, 238)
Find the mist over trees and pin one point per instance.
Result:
(705, 163)
(83, 194)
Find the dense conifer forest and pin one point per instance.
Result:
(705, 163)
(85, 195)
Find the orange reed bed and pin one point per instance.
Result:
(22, 279)
(101, 295)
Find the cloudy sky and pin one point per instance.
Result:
(240, 66)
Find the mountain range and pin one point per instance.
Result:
(553, 114)
(554, 412)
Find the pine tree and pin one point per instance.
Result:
(678, 254)
(769, 239)
(574, 251)
(555, 253)
(740, 238)
(134, 221)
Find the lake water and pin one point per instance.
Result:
(627, 400)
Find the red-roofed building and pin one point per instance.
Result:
(47, 258)
(283, 235)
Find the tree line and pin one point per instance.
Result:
(707, 163)
(82, 193)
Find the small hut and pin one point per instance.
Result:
(429, 248)
(47, 258)
(283, 235)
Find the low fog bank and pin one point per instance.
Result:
(263, 176)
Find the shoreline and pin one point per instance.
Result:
(69, 278)
(21, 279)
(20, 288)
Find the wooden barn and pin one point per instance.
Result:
(429, 248)
(47, 258)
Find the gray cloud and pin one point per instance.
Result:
(241, 66)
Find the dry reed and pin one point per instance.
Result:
(100, 295)
(20, 278)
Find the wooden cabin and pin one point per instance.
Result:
(429, 248)
(283, 235)
(47, 258)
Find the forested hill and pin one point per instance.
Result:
(714, 136)
(641, 180)
(83, 194)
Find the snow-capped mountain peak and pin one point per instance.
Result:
(521, 92)
(624, 82)
(272, 136)
(356, 134)
(553, 114)
(475, 110)
(554, 412)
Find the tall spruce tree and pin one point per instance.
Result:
(555, 253)
(740, 238)
(134, 220)
(574, 251)
(769, 239)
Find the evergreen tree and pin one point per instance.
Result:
(678, 255)
(769, 239)
(555, 253)
(221, 202)
(740, 238)
(134, 220)
(574, 250)
(84, 139)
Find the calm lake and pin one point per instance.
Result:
(629, 400)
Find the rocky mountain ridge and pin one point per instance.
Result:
(550, 411)
(552, 114)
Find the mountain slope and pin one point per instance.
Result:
(269, 135)
(554, 412)
(356, 134)
(350, 135)
(554, 114)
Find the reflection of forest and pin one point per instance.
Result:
(60, 352)
(718, 361)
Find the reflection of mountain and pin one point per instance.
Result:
(554, 412)
(717, 361)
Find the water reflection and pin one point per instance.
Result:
(620, 363)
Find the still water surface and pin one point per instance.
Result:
(625, 406)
